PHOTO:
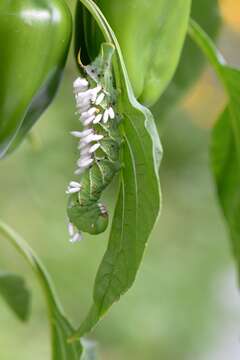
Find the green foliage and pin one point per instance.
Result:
(197, 254)
(60, 326)
(141, 158)
(14, 291)
(225, 151)
(226, 168)
(139, 198)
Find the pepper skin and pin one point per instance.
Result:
(151, 35)
(34, 42)
(207, 14)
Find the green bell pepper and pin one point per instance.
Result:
(34, 42)
(151, 34)
(206, 13)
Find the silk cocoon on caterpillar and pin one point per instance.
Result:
(99, 145)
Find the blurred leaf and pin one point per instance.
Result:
(141, 159)
(60, 326)
(206, 13)
(225, 150)
(14, 291)
(226, 168)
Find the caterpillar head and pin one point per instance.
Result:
(92, 219)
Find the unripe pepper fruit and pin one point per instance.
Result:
(151, 34)
(34, 42)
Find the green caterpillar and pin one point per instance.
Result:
(99, 145)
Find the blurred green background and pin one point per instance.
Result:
(184, 304)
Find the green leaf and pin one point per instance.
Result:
(14, 291)
(206, 13)
(226, 168)
(225, 149)
(60, 326)
(138, 202)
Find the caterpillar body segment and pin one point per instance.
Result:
(99, 146)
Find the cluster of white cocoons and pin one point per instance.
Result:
(92, 109)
